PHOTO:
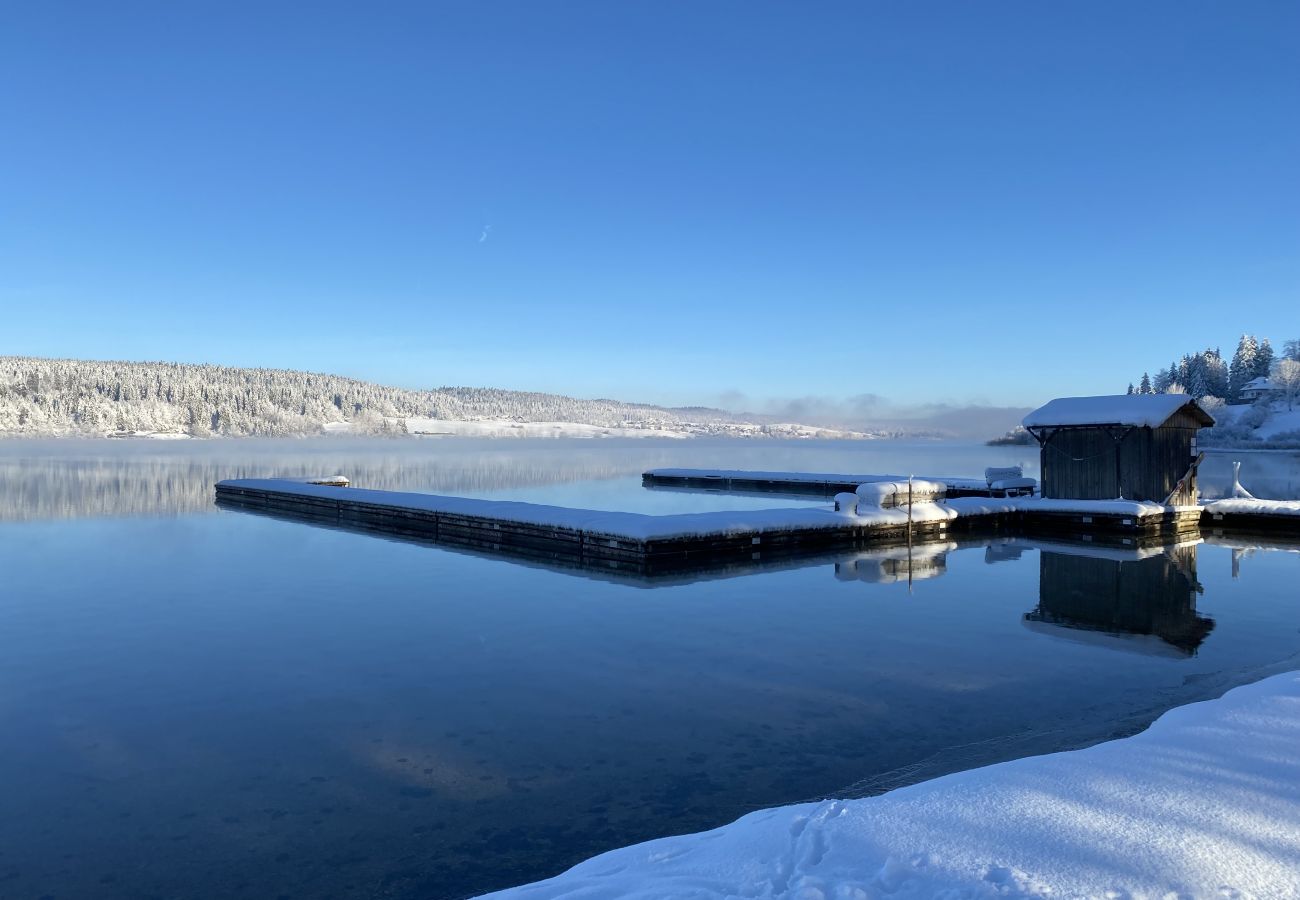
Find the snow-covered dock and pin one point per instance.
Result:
(623, 540)
(1204, 803)
(813, 484)
(876, 514)
(1252, 515)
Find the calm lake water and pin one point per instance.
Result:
(207, 704)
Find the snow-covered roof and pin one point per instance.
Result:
(1258, 384)
(1141, 410)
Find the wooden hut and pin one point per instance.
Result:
(1135, 447)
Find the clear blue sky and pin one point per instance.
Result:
(963, 202)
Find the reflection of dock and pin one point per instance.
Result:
(896, 564)
(1126, 595)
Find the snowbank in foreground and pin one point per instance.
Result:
(1205, 803)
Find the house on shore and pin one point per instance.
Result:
(1131, 447)
(1256, 388)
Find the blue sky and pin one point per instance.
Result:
(688, 202)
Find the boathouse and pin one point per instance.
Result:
(1135, 447)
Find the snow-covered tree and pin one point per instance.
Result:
(52, 396)
(1286, 378)
(1242, 369)
(1145, 386)
(1263, 359)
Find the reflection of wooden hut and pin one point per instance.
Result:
(1138, 447)
(1123, 592)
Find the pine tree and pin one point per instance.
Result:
(1216, 374)
(1130, 389)
(1145, 387)
(1243, 366)
(1263, 360)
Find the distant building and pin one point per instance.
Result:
(1257, 387)
(1135, 447)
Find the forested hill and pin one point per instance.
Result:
(71, 397)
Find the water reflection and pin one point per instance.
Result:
(83, 479)
(1244, 547)
(79, 479)
(896, 564)
(1142, 600)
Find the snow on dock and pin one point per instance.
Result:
(1253, 506)
(876, 512)
(816, 483)
(1249, 514)
(604, 537)
(1204, 803)
(602, 523)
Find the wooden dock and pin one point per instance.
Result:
(891, 559)
(1264, 524)
(795, 484)
(644, 545)
(616, 541)
(1087, 525)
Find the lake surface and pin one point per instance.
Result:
(209, 704)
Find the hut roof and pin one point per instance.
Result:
(1149, 410)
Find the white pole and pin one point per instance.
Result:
(909, 534)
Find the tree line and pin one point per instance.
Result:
(63, 396)
(1205, 374)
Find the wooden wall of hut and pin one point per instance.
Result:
(1081, 464)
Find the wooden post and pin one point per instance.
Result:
(909, 534)
(1190, 474)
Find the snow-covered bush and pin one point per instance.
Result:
(1256, 415)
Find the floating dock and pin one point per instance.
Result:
(798, 484)
(616, 540)
(1262, 517)
(648, 544)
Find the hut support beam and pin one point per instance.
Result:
(1118, 438)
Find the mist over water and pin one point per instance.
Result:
(74, 478)
(71, 479)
